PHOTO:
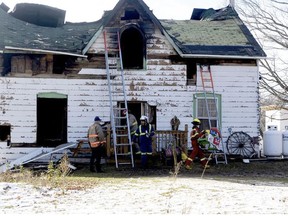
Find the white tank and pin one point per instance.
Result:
(285, 143)
(272, 143)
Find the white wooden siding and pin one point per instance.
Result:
(87, 98)
(238, 86)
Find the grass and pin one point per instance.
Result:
(61, 175)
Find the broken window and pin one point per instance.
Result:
(59, 62)
(4, 132)
(35, 64)
(205, 109)
(133, 48)
(130, 14)
(191, 73)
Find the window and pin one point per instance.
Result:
(4, 132)
(133, 48)
(191, 73)
(209, 108)
(130, 14)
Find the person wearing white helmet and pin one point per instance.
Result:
(144, 133)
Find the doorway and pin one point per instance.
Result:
(51, 119)
(141, 108)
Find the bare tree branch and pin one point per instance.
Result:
(269, 21)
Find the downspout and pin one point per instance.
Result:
(259, 109)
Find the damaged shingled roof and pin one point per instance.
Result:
(71, 37)
(209, 32)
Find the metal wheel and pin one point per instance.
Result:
(240, 143)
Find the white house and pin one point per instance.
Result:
(54, 79)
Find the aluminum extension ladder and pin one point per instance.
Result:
(119, 122)
(208, 87)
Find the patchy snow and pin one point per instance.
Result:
(163, 195)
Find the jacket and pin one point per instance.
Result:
(145, 134)
(96, 135)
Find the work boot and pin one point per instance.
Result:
(100, 171)
(188, 167)
(184, 157)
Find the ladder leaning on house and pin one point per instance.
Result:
(119, 123)
(208, 87)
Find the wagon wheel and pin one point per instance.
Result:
(240, 143)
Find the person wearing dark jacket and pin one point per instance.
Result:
(144, 133)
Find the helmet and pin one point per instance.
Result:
(143, 118)
(196, 121)
(97, 118)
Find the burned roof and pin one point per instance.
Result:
(38, 14)
(71, 37)
(211, 32)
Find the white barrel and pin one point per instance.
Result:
(272, 143)
(285, 143)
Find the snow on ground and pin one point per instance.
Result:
(165, 195)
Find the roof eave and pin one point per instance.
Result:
(10, 48)
(93, 39)
(220, 56)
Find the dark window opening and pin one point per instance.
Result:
(59, 64)
(191, 73)
(132, 46)
(152, 115)
(130, 14)
(6, 64)
(4, 132)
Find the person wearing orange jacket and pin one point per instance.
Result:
(196, 151)
(97, 139)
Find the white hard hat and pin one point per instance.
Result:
(143, 118)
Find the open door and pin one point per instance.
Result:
(51, 119)
(142, 108)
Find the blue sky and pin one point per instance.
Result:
(91, 10)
